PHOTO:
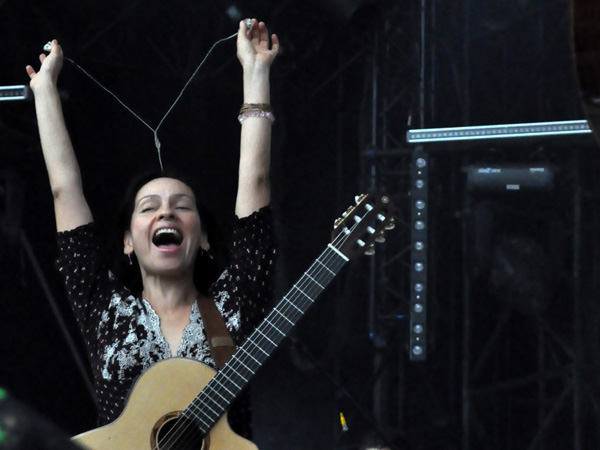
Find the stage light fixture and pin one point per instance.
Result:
(14, 93)
(503, 131)
(418, 273)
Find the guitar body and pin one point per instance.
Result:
(162, 391)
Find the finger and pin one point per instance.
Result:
(245, 33)
(30, 71)
(42, 57)
(264, 32)
(255, 33)
(275, 44)
(242, 30)
(56, 48)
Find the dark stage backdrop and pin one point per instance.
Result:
(352, 77)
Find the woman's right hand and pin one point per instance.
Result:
(51, 65)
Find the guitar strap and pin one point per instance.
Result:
(220, 341)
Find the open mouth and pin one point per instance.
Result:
(165, 237)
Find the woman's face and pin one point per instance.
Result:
(165, 232)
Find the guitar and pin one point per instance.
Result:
(164, 410)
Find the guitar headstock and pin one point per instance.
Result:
(357, 230)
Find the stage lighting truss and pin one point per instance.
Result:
(418, 273)
(14, 93)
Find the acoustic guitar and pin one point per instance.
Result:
(180, 404)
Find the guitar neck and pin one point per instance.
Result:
(215, 398)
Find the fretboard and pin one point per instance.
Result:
(217, 395)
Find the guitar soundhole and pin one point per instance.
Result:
(175, 432)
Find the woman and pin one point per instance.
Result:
(126, 333)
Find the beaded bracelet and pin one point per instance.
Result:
(261, 110)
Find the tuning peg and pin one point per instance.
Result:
(370, 251)
(391, 224)
(381, 238)
(359, 198)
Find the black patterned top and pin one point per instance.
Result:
(122, 332)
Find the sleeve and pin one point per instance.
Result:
(245, 288)
(88, 282)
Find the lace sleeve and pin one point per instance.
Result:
(88, 282)
(245, 287)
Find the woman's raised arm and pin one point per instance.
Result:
(256, 57)
(70, 207)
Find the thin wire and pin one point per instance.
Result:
(154, 130)
(109, 92)
(191, 78)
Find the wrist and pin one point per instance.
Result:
(257, 90)
(44, 87)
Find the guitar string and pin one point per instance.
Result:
(302, 290)
(229, 365)
(252, 339)
(256, 368)
(275, 323)
(122, 103)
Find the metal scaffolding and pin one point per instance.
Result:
(470, 366)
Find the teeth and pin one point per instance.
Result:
(167, 236)
(167, 230)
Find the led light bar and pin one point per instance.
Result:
(14, 93)
(418, 259)
(517, 130)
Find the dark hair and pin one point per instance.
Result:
(208, 265)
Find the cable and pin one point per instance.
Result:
(47, 47)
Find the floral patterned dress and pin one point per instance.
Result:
(122, 332)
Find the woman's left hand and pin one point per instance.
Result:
(253, 48)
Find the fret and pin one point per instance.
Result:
(241, 361)
(199, 419)
(224, 386)
(326, 268)
(266, 337)
(212, 388)
(303, 293)
(203, 405)
(239, 375)
(219, 394)
(242, 349)
(251, 341)
(291, 303)
(274, 327)
(276, 310)
(315, 281)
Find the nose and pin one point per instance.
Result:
(166, 212)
